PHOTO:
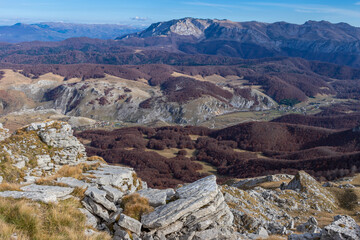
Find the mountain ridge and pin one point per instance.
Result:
(314, 40)
(57, 31)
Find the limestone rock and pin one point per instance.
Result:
(305, 236)
(35, 196)
(72, 182)
(96, 209)
(91, 220)
(347, 185)
(4, 133)
(123, 178)
(201, 187)
(156, 197)
(343, 227)
(121, 235)
(112, 193)
(311, 226)
(60, 135)
(130, 224)
(99, 197)
(252, 182)
(304, 183)
(58, 192)
(199, 211)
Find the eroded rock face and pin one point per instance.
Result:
(41, 149)
(343, 227)
(200, 210)
(40, 193)
(4, 133)
(317, 196)
(59, 135)
(252, 182)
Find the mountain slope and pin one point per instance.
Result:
(57, 31)
(324, 41)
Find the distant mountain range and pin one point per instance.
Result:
(187, 41)
(57, 31)
(337, 43)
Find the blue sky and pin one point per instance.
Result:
(144, 12)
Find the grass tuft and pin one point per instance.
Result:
(135, 206)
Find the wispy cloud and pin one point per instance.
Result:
(312, 8)
(140, 19)
(358, 3)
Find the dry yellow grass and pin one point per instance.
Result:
(172, 152)
(135, 206)
(79, 192)
(96, 158)
(68, 171)
(5, 186)
(31, 220)
(275, 237)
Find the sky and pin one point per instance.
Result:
(145, 12)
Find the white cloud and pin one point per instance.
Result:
(140, 19)
(358, 3)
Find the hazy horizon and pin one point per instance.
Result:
(143, 13)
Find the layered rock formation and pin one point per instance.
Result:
(199, 210)
(42, 148)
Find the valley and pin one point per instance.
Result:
(188, 129)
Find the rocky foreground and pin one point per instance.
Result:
(50, 166)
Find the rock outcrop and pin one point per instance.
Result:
(41, 149)
(199, 211)
(316, 196)
(4, 133)
(252, 182)
(343, 227)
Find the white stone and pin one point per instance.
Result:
(130, 224)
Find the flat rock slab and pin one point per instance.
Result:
(201, 187)
(72, 182)
(130, 224)
(47, 193)
(114, 176)
(156, 197)
(113, 194)
(35, 196)
(99, 197)
(343, 227)
(192, 197)
(91, 220)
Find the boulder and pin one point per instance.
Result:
(343, 227)
(192, 197)
(199, 212)
(130, 224)
(96, 209)
(311, 226)
(123, 178)
(113, 194)
(99, 197)
(156, 197)
(305, 236)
